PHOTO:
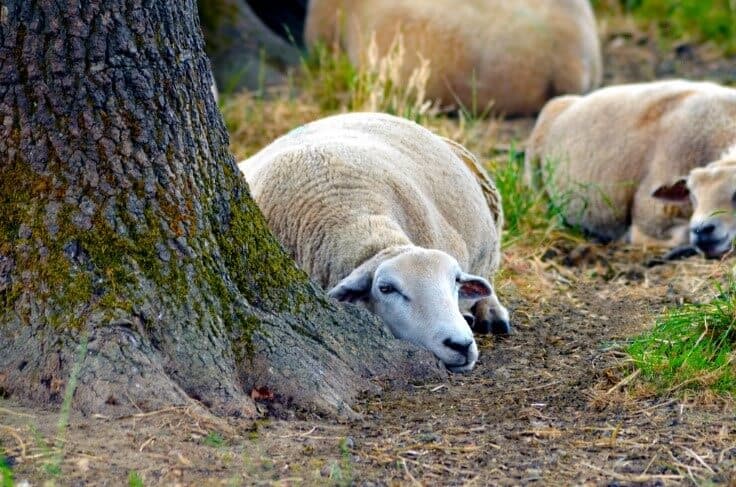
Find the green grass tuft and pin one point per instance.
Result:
(214, 439)
(699, 20)
(342, 474)
(134, 479)
(380, 83)
(6, 473)
(529, 216)
(692, 347)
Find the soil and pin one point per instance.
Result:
(556, 403)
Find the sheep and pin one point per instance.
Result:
(513, 55)
(713, 195)
(619, 158)
(388, 215)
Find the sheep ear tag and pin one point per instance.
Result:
(676, 192)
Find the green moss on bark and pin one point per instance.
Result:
(73, 270)
(258, 265)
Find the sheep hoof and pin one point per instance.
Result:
(495, 326)
(682, 252)
(678, 253)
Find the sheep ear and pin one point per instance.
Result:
(355, 287)
(676, 191)
(474, 287)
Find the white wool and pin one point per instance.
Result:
(510, 55)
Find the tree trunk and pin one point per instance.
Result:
(244, 52)
(129, 245)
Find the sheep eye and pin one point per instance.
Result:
(386, 288)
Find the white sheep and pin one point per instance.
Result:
(619, 158)
(384, 213)
(515, 54)
(713, 195)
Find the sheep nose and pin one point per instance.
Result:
(704, 229)
(460, 347)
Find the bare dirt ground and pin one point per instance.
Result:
(554, 404)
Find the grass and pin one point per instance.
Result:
(6, 473)
(342, 474)
(53, 466)
(530, 217)
(699, 20)
(134, 479)
(381, 83)
(328, 83)
(692, 347)
(214, 439)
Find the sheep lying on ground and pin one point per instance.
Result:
(386, 214)
(713, 194)
(620, 157)
(516, 54)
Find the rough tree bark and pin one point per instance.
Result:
(244, 52)
(129, 244)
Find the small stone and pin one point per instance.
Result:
(24, 231)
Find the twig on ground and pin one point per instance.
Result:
(153, 413)
(12, 432)
(624, 381)
(697, 457)
(300, 435)
(656, 455)
(408, 473)
(633, 477)
(656, 406)
(15, 413)
(146, 443)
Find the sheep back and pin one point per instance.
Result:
(339, 190)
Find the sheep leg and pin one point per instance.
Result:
(490, 316)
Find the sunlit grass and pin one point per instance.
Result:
(698, 20)
(327, 83)
(531, 217)
(692, 346)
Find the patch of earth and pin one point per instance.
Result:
(550, 404)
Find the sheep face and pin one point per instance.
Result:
(713, 193)
(417, 295)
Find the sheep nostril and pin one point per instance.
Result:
(704, 229)
(463, 348)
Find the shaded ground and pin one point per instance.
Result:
(554, 404)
